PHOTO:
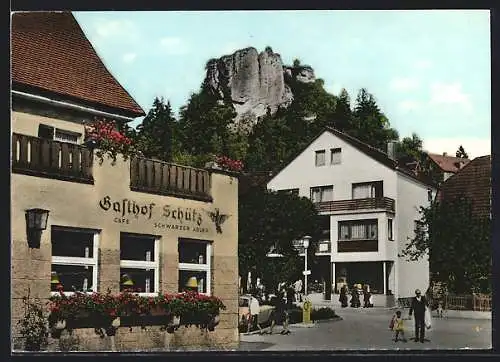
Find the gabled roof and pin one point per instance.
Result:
(52, 55)
(448, 163)
(368, 150)
(473, 182)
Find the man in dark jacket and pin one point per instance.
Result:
(418, 305)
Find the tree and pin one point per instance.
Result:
(370, 124)
(461, 153)
(342, 116)
(457, 244)
(273, 220)
(155, 135)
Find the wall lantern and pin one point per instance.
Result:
(36, 222)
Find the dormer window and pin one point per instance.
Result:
(320, 158)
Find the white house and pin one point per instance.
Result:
(371, 206)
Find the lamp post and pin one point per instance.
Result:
(306, 272)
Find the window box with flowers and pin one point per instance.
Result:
(104, 137)
(107, 312)
(225, 163)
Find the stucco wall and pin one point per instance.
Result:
(355, 167)
(77, 205)
(410, 274)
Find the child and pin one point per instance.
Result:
(398, 327)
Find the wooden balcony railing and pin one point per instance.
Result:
(52, 159)
(352, 246)
(162, 178)
(383, 203)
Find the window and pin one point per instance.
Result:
(195, 261)
(322, 193)
(74, 259)
(389, 229)
(366, 190)
(139, 263)
(358, 230)
(66, 136)
(335, 156)
(290, 191)
(51, 133)
(320, 158)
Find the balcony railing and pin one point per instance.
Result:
(162, 178)
(383, 203)
(352, 246)
(52, 159)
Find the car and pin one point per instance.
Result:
(263, 318)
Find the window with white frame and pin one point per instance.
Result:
(139, 263)
(195, 261)
(52, 133)
(335, 156)
(322, 193)
(320, 158)
(74, 259)
(358, 230)
(365, 190)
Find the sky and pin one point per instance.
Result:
(428, 70)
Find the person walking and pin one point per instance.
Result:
(355, 302)
(290, 296)
(367, 296)
(280, 314)
(343, 296)
(254, 315)
(298, 290)
(397, 324)
(418, 305)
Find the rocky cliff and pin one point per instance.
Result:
(254, 82)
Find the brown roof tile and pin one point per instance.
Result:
(448, 163)
(51, 53)
(473, 182)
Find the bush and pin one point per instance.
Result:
(33, 326)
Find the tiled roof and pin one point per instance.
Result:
(473, 182)
(448, 163)
(50, 53)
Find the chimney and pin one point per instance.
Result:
(391, 150)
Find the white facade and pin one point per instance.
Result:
(399, 199)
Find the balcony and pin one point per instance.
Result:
(354, 246)
(375, 203)
(162, 178)
(51, 159)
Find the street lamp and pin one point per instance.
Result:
(306, 272)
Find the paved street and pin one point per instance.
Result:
(368, 329)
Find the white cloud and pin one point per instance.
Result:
(174, 45)
(109, 28)
(422, 64)
(404, 84)
(449, 93)
(129, 57)
(409, 105)
(474, 147)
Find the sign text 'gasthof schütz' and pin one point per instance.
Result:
(173, 217)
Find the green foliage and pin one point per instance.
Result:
(155, 136)
(273, 220)
(461, 153)
(457, 244)
(33, 325)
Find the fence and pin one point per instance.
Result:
(158, 177)
(52, 159)
(474, 302)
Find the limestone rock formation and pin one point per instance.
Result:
(255, 83)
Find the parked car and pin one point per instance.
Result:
(265, 311)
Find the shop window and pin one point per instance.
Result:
(358, 230)
(322, 193)
(335, 156)
(195, 262)
(389, 229)
(74, 259)
(320, 158)
(139, 263)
